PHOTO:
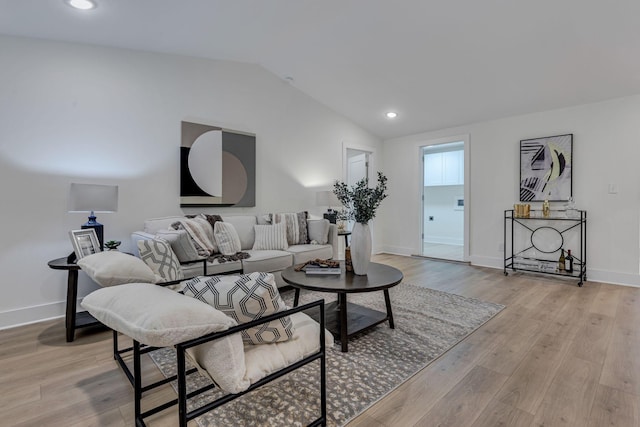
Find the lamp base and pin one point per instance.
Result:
(332, 216)
(99, 229)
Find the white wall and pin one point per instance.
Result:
(606, 151)
(77, 113)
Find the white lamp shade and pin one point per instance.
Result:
(327, 198)
(93, 197)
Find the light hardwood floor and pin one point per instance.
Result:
(558, 355)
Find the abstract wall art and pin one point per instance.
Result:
(217, 166)
(545, 168)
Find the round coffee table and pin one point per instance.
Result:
(344, 319)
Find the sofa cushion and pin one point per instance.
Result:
(245, 298)
(244, 227)
(270, 237)
(227, 238)
(159, 256)
(318, 230)
(112, 268)
(304, 253)
(267, 261)
(213, 267)
(153, 225)
(180, 242)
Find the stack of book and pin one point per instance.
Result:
(321, 269)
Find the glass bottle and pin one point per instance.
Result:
(546, 209)
(569, 261)
(561, 261)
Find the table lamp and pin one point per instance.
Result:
(93, 198)
(328, 198)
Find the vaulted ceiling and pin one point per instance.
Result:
(438, 63)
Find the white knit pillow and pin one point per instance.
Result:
(244, 298)
(227, 238)
(270, 237)
(110, 268)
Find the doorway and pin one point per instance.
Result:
(443, 201)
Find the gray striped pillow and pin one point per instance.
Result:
(271, 237)
(226, 238)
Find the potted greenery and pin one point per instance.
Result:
(361, 203)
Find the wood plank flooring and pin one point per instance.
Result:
(558, 355)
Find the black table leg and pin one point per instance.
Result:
(387, 301)
(296, 297)
(72, 296)
(342, 301)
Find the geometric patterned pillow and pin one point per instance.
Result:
(244, 298)
(158, 255)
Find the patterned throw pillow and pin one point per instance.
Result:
(227, 238)
(296, 223)
(158, 255)
(270, 237)
(244, 298)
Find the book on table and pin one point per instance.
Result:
(314, 269)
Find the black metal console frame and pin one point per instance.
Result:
(185, 416)
(556, 217)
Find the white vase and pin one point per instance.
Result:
(360, 248)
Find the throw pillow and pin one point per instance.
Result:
(244, 298)
(270, 237)
(296, 224)
(157, 254)
(154, 315)
(319, 230)
(200, 232)
(181, 244)
(112, 268)
(227, 238)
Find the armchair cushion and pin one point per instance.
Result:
(244, 298)
(112, 268)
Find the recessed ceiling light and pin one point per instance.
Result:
(82, 4)
(392, 115)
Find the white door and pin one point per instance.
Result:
(357, 168)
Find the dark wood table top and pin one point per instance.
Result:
(62, 264)
(379, 277)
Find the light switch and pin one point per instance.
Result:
(613, 189)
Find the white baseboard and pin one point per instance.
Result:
(398, 250)
(443, 240)
(34, 314)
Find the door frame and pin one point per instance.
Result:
(467, 199)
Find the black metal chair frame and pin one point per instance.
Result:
(185, 416)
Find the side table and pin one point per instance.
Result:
(73, 320)
(346, 235)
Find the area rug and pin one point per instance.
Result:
(427, 323)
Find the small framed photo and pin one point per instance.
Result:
(85, 242)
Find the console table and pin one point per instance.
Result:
(73, 320)
(533, 243)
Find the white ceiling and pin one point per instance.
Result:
(438, 63)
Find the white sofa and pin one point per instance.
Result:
(269, 261)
